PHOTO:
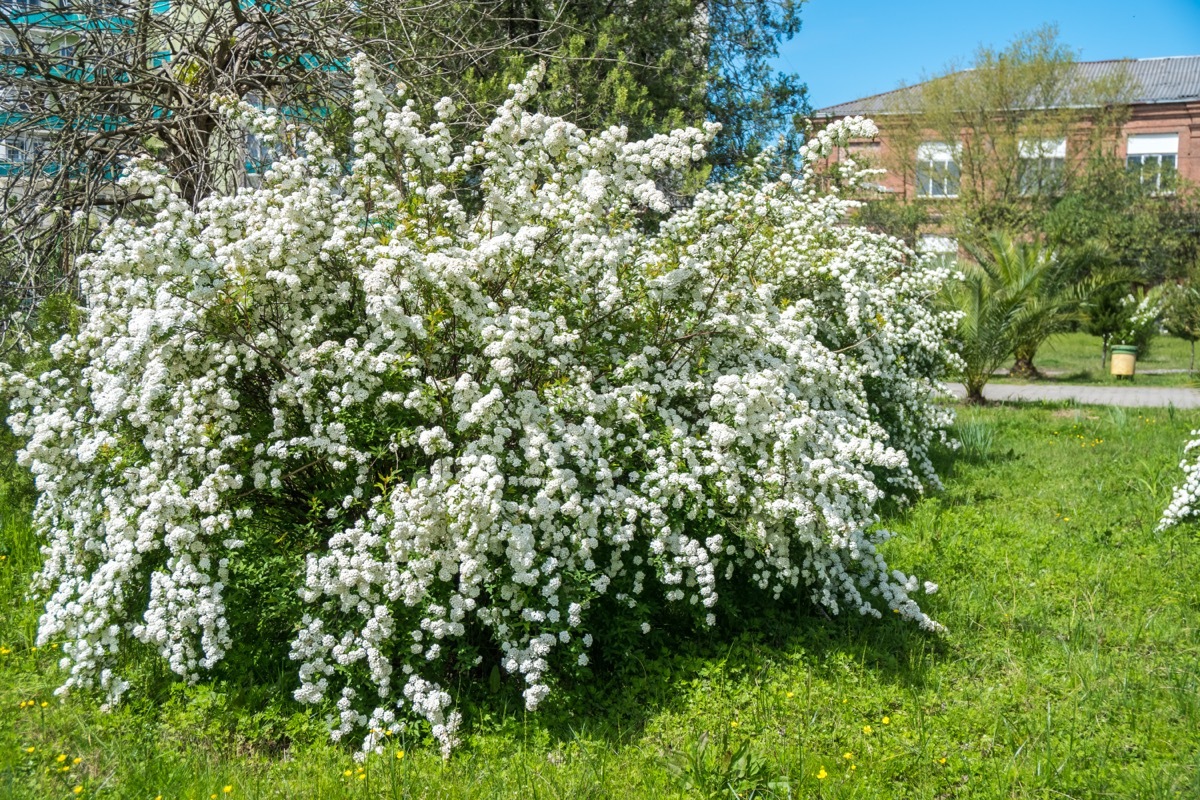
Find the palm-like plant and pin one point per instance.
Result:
(1052, 286)
(1013, 296)
(986, 311)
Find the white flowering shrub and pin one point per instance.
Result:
(1185, 500)
(473, 393)
(1141, 319)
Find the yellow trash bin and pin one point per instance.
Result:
(1124, 358)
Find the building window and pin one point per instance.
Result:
(22, 149)
(1152, 157)
(14, 150)
(937, 170)
(942, 249)
(1041, 166)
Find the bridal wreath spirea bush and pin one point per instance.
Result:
(493, 389)
(1185, 501)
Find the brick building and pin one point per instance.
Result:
(1159, 136)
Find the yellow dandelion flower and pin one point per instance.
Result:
(399, 754)
(853, 767)
(886, 720)
(733, 724)
(76, 760)
(791, 695)
(348, 773)
(61, 758)
(362, 777)
(226, 789)
(847, 756)
(29, 749)
(44, 704)
(941, 761)
(78, 790)
(822, 775)
(867, 729)
(845, 700)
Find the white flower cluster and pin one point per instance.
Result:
(1142, 314)
(524, 382)
(1185, 500)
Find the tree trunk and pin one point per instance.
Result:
(975, 393)
(1023, 368)
(1192, 364)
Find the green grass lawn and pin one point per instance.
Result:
(1071, 669)
(1075, 358)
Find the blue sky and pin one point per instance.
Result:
(852, 48)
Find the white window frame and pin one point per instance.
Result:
(1041, 166)
(14, 149)
(1160, 152)
(937, 173)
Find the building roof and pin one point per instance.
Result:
(1174, 79)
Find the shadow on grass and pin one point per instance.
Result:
(633, 678)
(755, 643)
(1079, 376)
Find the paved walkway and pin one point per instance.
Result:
(1138, 396)
(1058, 373)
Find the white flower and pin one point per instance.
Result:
(491, 412)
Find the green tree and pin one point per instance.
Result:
(1154, 237)
(652, 65)
(1004, 122)
(1181, 314)
(1104, 317)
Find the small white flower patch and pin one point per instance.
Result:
(1185, 500)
